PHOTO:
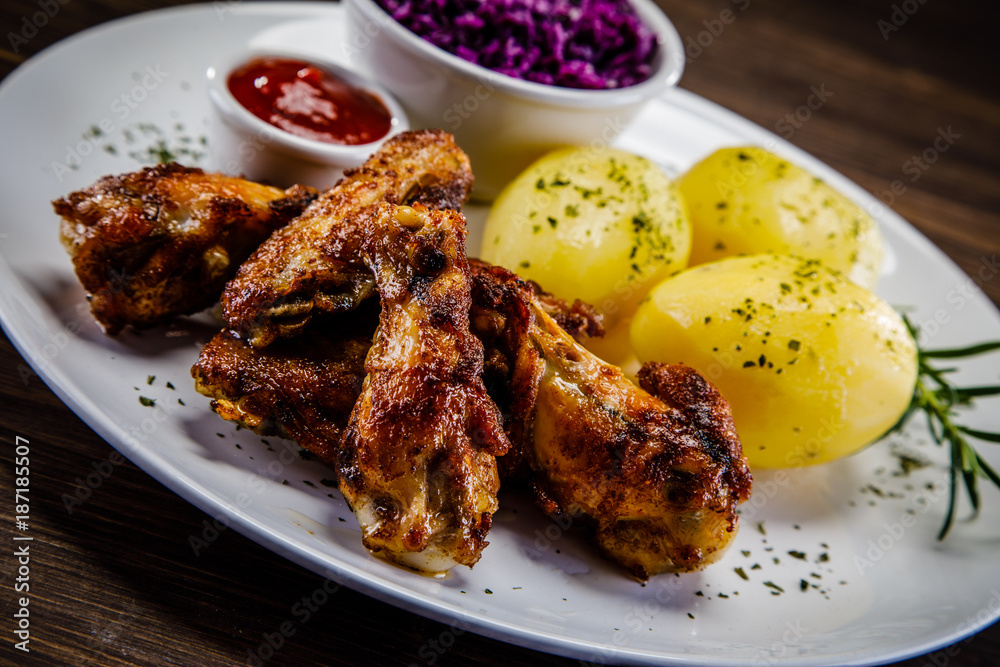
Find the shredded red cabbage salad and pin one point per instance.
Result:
(593, 44)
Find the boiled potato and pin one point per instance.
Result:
(745, 201)
(814, 367)
(601, 225)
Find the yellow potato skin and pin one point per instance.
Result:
(814, 367)
(601, 225)
(745, 201)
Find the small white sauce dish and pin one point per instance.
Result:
(240, 143)
(502, 122)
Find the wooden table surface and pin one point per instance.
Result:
(115, 583)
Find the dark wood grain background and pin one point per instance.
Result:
(115, 583)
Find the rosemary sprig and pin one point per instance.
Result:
(937, 398)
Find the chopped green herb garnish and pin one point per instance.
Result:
(148, 402)
(908, 464)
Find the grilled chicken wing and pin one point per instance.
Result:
(313, 264)
(417, 461)
(303, 390)
(657, 470)
(163, 241)
(500, 318)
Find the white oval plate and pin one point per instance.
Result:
(877, 586)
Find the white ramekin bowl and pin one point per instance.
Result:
(503, 123)
(240, 143)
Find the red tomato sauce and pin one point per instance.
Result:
(307, 101)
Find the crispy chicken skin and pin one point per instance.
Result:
(500, 318)
(657, 471)
(313, 264)
(303, 390)
(417, 461)
(163, 241)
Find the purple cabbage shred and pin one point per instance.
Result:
(592, 44)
